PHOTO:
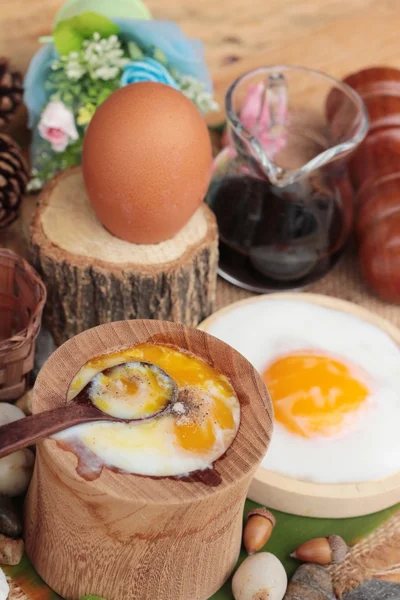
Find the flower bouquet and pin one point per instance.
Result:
(91, 54)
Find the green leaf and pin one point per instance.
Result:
(159, 56)
(70, 34)
(129, 9)
(66, 39)
(103, 96)
(134, 51)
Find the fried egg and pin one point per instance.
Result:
(334, 381)
(199, 428)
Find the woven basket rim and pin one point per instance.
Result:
(30, 332)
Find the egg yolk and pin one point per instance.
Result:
(200, 437)
(195, 435)
(136, 389)
(313, 395)
(184, 368)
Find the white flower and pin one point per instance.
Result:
(103, 57)
(194, 90)
(34, 185)
(100, 58)
(74, 70)
(106, 72)
(57, 125)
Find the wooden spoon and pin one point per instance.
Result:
(30, 430)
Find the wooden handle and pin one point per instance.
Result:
(25, 432)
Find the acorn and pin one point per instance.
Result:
(257, 531)
(322, 551)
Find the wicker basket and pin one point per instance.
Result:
(22, 298)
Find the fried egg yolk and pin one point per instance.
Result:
(314, 395)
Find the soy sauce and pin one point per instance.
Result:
(276, 239)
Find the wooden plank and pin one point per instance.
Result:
(232, 30)
(338, 47)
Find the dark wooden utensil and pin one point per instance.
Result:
(30, 430)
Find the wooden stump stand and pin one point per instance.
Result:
(93, 277)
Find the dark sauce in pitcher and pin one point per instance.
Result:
(276, 239)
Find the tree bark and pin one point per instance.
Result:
(85, 290)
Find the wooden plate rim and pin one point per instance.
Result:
(354, 499)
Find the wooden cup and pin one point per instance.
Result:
(132, 537)
(377, 157)
(379, 88)
(375, 174)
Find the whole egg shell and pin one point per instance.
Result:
(146, 162)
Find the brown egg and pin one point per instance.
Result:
(146, 162)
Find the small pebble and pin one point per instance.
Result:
(10, 413)
(11, 551)
(260, 577)
(16, 472)
(10, 523)
(44, 347)
(15, 469)
(4, 587)
(25, 403)
(310, 582)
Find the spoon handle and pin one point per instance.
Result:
(25, 432)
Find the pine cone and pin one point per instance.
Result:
(10, 91)
(13, 179)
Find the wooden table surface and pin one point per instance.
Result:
(338, 36)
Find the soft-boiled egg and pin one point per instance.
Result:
(334, 381)
(198, 430)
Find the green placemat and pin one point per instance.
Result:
(290, 531)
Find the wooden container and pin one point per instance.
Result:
(379, 87)
(377, 157)
(375, 174)
(140, 538)
(22, 298)
(93, 277)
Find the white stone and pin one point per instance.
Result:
(16, 472)
(261, 576)
(10, 413)
(4, 587)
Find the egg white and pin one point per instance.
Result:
(368, 447)
(146, 448)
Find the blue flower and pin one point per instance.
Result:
(184, 55)
(147, 69)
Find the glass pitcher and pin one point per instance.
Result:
(280, 190)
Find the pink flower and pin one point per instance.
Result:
(57, 126)
(251, 108)
(260, 124)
